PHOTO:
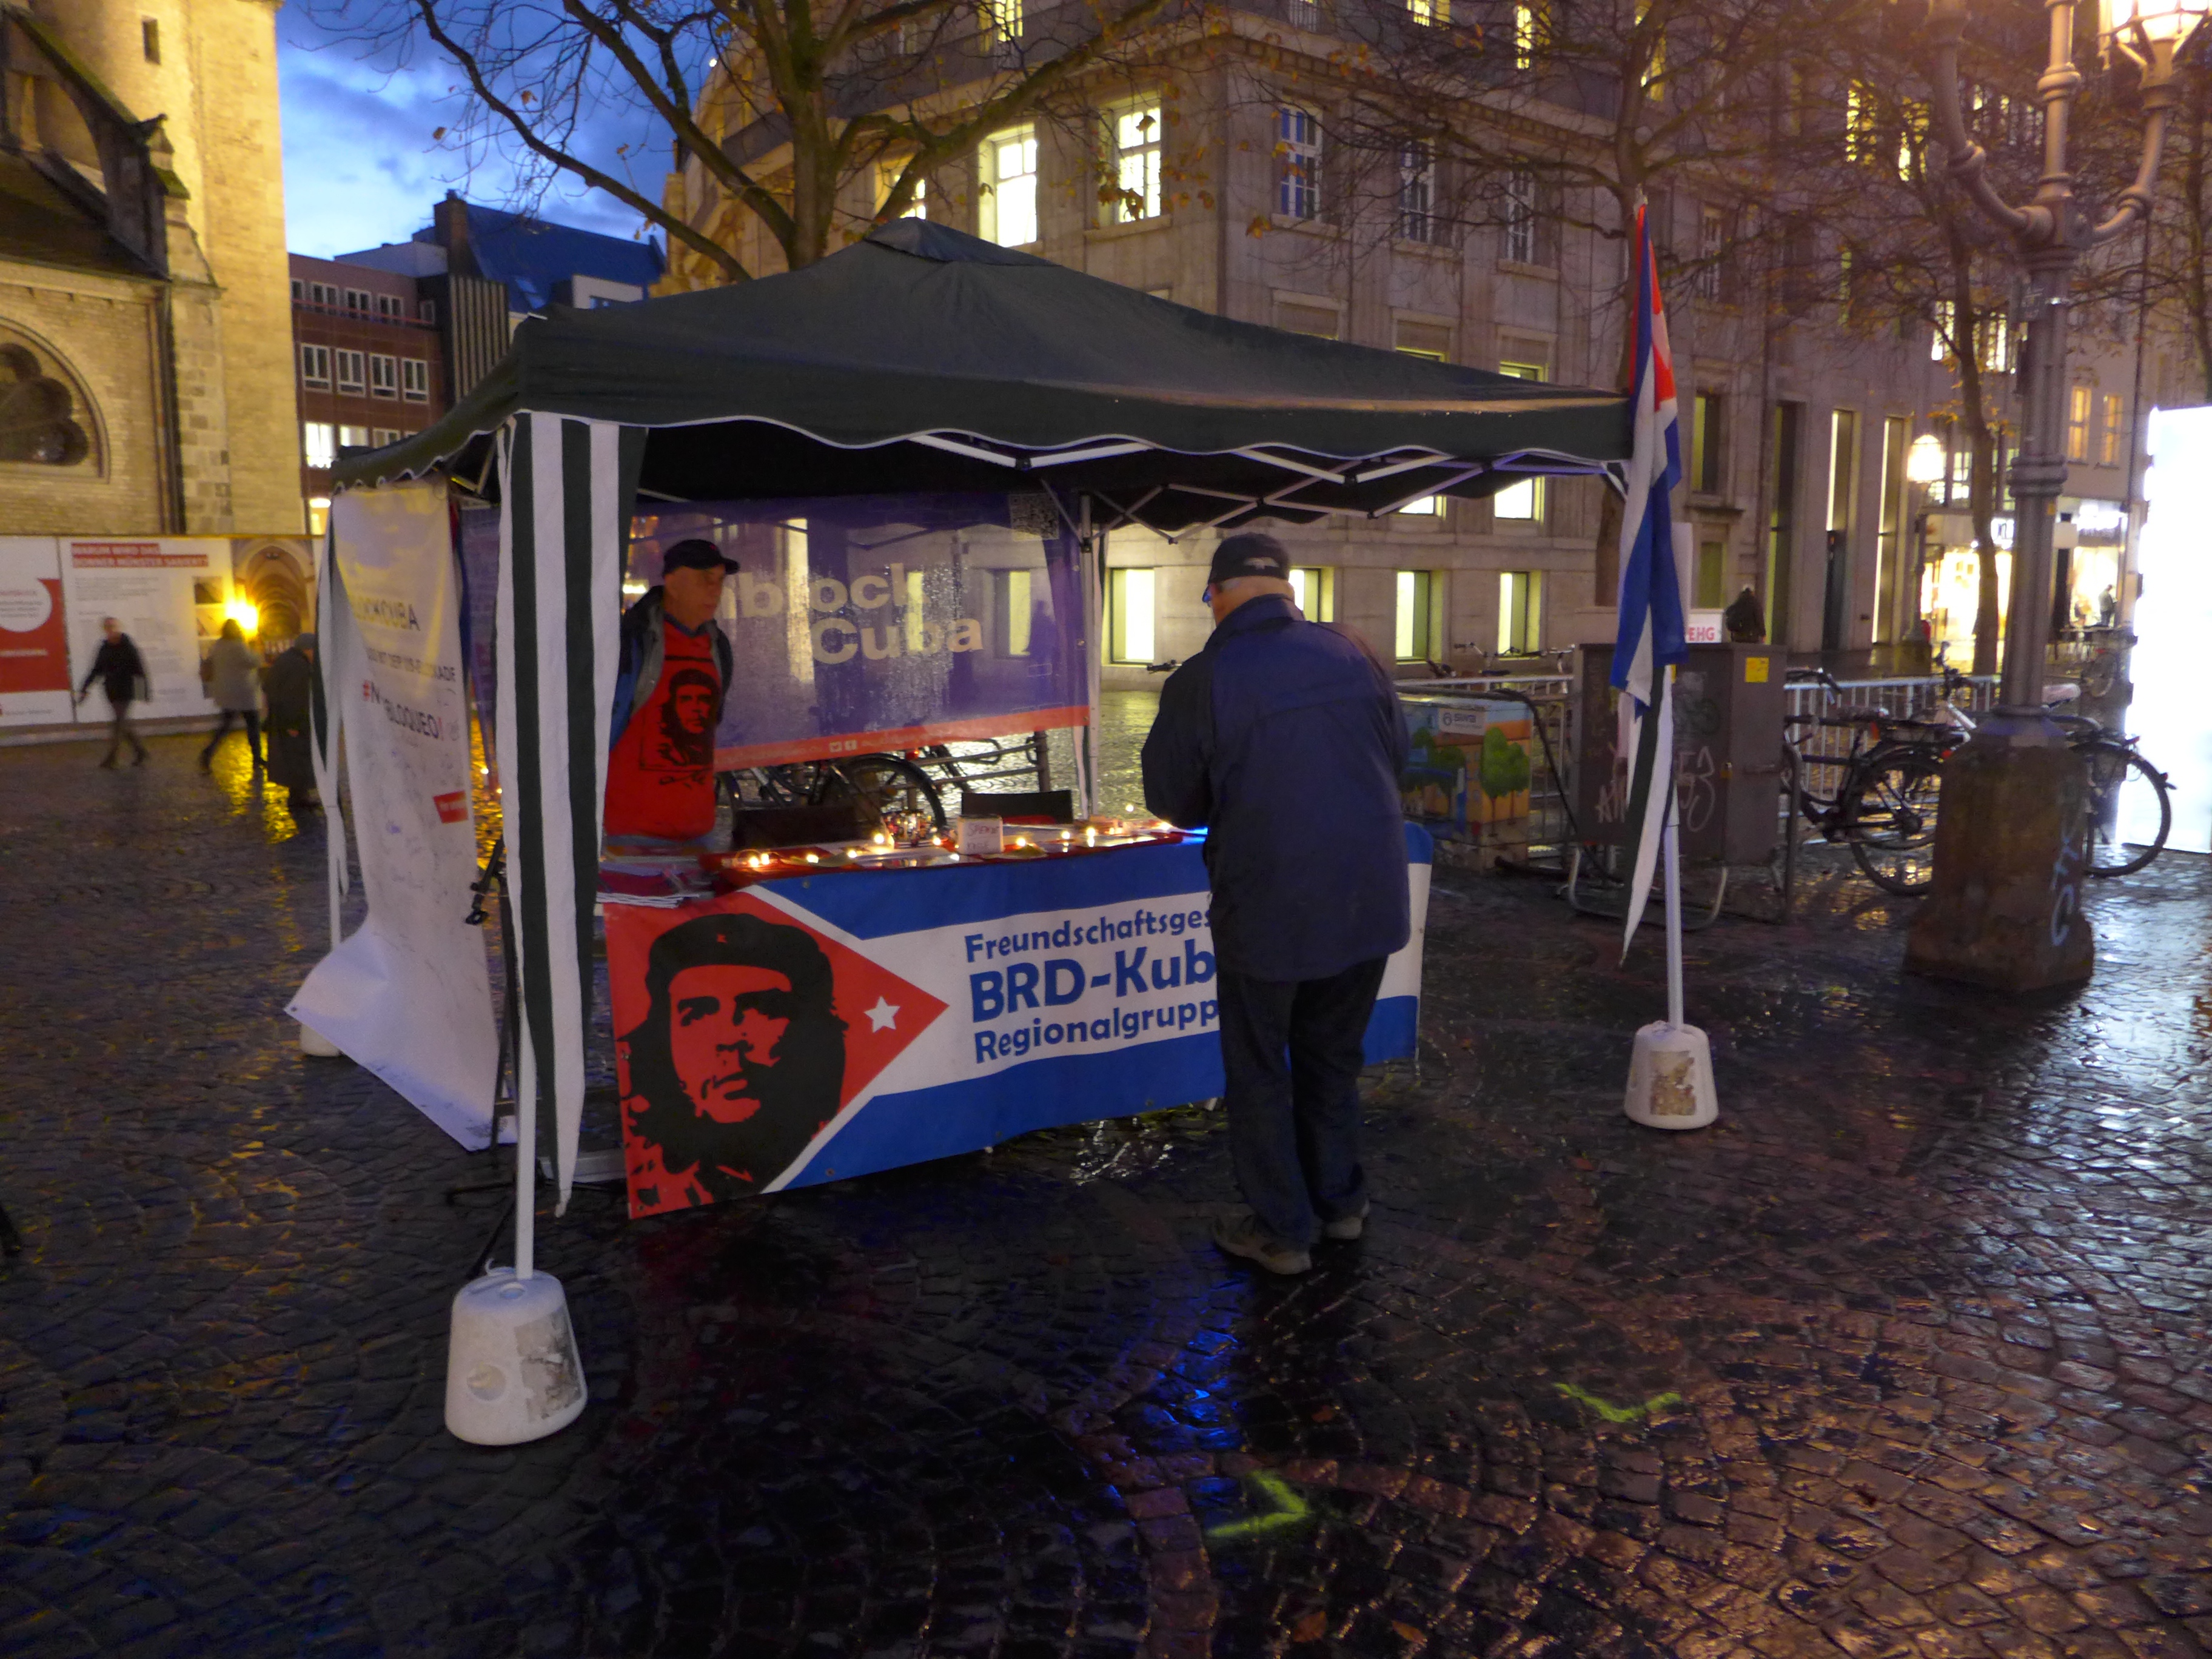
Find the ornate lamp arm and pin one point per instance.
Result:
(1946, 24)
(2160, 95)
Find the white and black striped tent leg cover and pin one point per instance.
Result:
(566, 490)
(332, 616)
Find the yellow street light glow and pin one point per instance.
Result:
(2141, 27)
(1923, 462)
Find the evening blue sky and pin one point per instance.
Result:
(360, 167)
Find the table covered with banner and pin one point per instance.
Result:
(812, 1026)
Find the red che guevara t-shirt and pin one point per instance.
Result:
(660, 775)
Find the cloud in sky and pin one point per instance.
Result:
(361, 168)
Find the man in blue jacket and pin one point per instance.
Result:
(1283, 739)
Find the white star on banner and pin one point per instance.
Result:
(884, 1016)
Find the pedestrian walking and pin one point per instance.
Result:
(294, 695)
(233, 680)
(121, 673)
(1283, 739)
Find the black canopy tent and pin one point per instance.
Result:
(919, 359)
(922, 358)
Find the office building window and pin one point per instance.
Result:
(1709, 585)
(353, 371)
(1424, 507)
(1417, 194)
(1313, 590)
(1712, 243)
(1520, 230)
(1429, 11)
(415, 379)
(1002, 21)
(1523, 500)
(1705, 440)
(353, 437)
(1133, 134)
(2080, 400)
(1520, 612)
(384, 434)
(1298, 162)
(318, 443)
(1009, 208)
(390, 306)
(314, 365)
(428, 310)
(356, 298)
(1528, 24)
(1129, 603)
(1962, 469)
(1413, 635)
(1013, 608)
(383, 375)
(2115, 428)
(299, 292)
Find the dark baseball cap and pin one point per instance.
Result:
(1248, 553)
(696, 555)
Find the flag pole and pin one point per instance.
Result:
(1670, 851)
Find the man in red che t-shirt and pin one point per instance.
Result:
(670, 683)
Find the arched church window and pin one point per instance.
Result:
(42, 421)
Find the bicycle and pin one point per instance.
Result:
(1884, 805)
(883, 784)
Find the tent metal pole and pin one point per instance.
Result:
(525, 1157)
(1094, 589)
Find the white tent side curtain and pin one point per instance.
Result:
(567, 488)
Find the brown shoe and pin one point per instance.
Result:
(1245, 1237)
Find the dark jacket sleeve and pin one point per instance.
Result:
(1179, 750)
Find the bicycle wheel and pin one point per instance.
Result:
(1890, 817)
(887, 783)
(2111, 765)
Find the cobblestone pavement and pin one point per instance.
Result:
(1904, 1357)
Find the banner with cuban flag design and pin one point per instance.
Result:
(1650, 642)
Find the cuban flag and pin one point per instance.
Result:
(1650, 641)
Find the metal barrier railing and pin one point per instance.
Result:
(1552, 702)
(1823, 750)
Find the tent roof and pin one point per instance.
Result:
(922, 358)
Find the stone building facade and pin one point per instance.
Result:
(1796, 423)
(146, 378)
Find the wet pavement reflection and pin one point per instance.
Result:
(1904, 1356)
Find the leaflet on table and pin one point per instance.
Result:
(807, 1029)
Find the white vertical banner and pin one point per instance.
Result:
(167, 594)
(407, 994)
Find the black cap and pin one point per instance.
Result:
(1248, 553)
(696, 555)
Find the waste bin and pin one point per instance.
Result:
(1728, 706)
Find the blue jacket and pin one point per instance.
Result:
(1283, 739)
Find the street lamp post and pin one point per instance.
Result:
(2005, 908)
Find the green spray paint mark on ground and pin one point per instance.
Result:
(1613, 1413)
(1290, 1509)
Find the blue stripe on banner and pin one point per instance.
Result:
(959, 1117)
(893, 1130)
(871, 904)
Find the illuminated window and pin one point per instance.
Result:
(1413, 632)
(1002, 21)
(1706, 439)
(383, 436)
(1425, 506)
(1996, 344)
(1523, 500)
(353, 437)
(1527, 25)
(1134, 134)
(1009, 211)
(1130, 598)
(1520, 612)
(1429, 11)
(319, 444)
(1860, 116)
(2115, 424)
(888, 174)
(2080, 401)
(1313, 590)
(1015, 608)
(1298, 162)
(1709, 591)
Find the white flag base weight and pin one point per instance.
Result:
(1670, 1078)
(313, 1042)
(512, 1370)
